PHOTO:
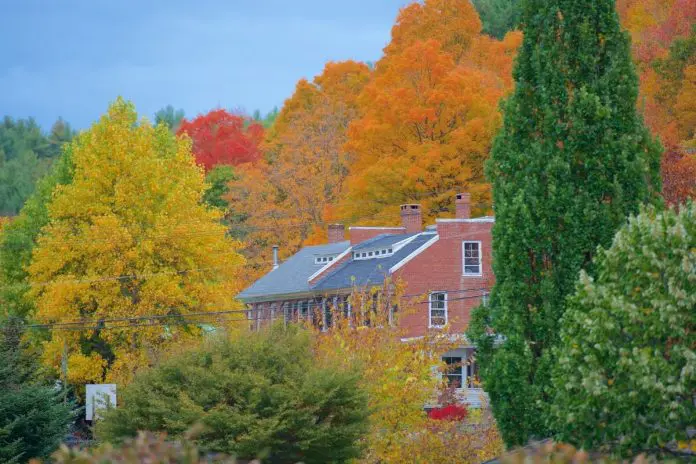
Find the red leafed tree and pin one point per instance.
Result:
(220, 137)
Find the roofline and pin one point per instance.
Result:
(375, 228)
(329, 264)
(479, 219)
(402, 243)
(415, 253)
(268, 298)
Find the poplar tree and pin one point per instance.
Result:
(571, 162)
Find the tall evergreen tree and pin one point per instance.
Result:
(572, 161)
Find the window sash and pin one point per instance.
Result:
(471, 258)
(437, 311)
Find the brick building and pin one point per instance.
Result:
(446, 266)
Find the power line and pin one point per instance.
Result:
(178, 319)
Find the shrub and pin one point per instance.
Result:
(260, 395)
(147, 447)
(626, 372)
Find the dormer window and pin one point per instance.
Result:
(323, 259)
(382, 252)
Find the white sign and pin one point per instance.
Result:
(98, 397)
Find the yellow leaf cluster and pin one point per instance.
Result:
(129, 237)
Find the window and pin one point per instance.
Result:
(438, 309)
(472, 258)
(304, 309)
(454, 371)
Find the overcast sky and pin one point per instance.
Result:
(70, 58)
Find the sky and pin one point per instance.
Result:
(70, 58)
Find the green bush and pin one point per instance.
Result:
(257, 396)
(626, 372)
(147, 447)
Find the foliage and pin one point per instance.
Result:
(218, 180)
(220, 137)
(170, 116)
(499, 16)
(19, 237)
(26, 155)
(453, 412)
(286, 198)
(34, 419)
(429, 114)
(146, 447)
(398, 377)
(266, 120)
(669, 90)
(128, 237)
(571, 162)
(626, 371)
(258, 395)
(563, 453)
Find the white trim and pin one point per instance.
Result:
(418, 251)
(478, 219)
(402, 243)
(329, 264)
(430, 310)
(480, 253)
(376, 228)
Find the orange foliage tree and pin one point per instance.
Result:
(283, 199)
(220, 137)
(664, 46)
(429, 113)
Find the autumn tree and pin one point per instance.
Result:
(570, 163)
(128, 238)
(286, 198)
(400, 378)
(429, 114)
(220, 137)
(625, 377)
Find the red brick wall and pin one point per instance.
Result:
(440, 268)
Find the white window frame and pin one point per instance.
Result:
(480, 258)
(430, 310)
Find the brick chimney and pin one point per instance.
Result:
(337, 233)
(411, 218)
(462, 203)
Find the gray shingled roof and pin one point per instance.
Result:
(291, 276)
(381, 241)
(369, 271)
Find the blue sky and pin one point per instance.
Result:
(70, 58)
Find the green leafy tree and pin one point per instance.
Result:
(218, 180)
(170, 116)
(19, 237)
(499, 16)
(626, 371)
(34, 418)
(258, 395)
(571, 162)
(26, 154)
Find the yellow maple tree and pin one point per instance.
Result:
(400, 378)
(129, 251)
